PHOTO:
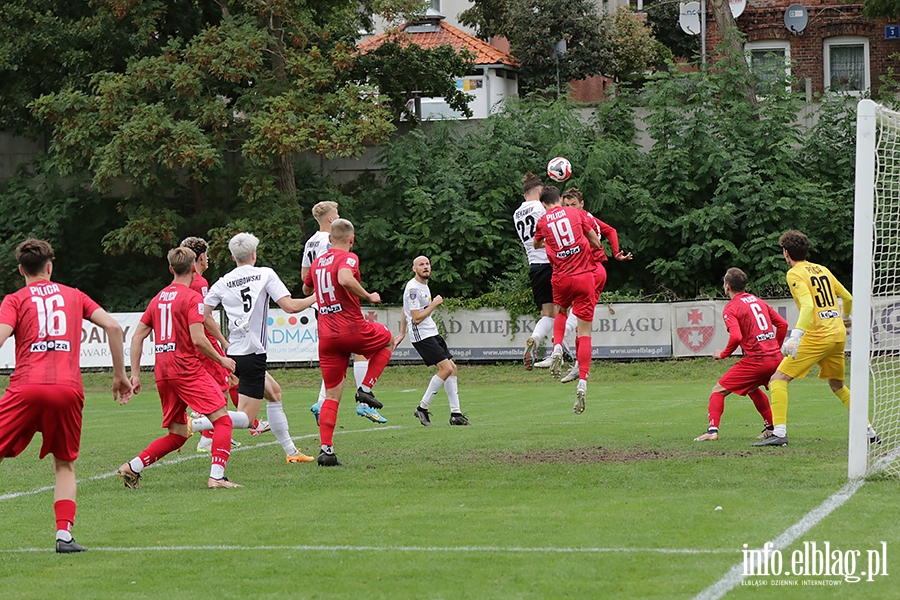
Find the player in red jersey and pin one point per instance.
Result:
(175, 316)
(213, 333)
(568, 235)
(45, 392)
(334, 276)
(759, 331)
(573, 197)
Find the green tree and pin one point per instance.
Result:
(204, 123)
(399, 68)
(534, 27)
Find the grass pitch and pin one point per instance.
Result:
(531, 501)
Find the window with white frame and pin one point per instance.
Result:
(846, 64)
(770, 61)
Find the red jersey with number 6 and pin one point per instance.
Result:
(46, 320)
(339, 310)
(170, 315)
(563, 229)
(755, 327)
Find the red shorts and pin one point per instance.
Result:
(54, 410)
(578, 291)
(334, 353)
(220, 374)
(744, 377)
(599, 280)
(200, 393)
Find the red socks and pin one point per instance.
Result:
(583, 351)
(761, 402)
(161, 447)
(221, 444)
(716, 408)
(232, 391)
(559, 328)
(65, 514)
(328, 419)
(377, 363)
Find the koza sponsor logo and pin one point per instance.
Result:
(169, 347)
(50, 346)
(695, 327)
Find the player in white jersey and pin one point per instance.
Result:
(244, 294)
(428, 342)
(525, 219)
(325, 213)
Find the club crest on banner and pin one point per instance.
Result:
(695, 326)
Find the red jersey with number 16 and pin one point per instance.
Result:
(339, 310)
(46, 320)
(563, 229)
(170, 315)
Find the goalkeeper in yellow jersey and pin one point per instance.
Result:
(819, 336)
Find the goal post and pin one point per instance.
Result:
(875, 332)
(863, 236)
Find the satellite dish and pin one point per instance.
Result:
(689, 17)
(796, 18)
(737, 7)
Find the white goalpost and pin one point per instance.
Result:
(875, 333)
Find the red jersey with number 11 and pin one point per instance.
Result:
(170, 315)
(46, 320)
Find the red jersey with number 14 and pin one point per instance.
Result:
(339, 310)
(755, 327)
(563, 229)
(46, 320)
(170, 315)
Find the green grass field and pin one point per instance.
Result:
(531, 501)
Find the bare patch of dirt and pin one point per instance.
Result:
(598, 454)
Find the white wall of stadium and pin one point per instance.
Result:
(620, 332)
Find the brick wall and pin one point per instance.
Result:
(764, 20)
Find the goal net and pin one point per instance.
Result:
(875, 334)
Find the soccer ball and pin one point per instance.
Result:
(559, 169)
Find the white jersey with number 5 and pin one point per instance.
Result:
(244, 294)
(525, 219)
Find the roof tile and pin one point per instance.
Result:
(458, 39)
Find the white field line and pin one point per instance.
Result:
(185, 456)
(735, 575)
(347, 548)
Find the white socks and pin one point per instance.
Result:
(541, 329)
(452, 389)
(434, 385)
(279, 424)
(217, 471)
(780, 430)
(359, 372)
(239, 420)
(322, 392)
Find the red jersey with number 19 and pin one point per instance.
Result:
(563, 228)
(170, 315)
(339, 310)
(46, 320)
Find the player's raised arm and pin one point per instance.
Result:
(348, 281)
(295, 305)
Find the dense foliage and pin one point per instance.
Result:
(710, 183)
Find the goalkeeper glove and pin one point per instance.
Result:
(848, 320)
(790, 345)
